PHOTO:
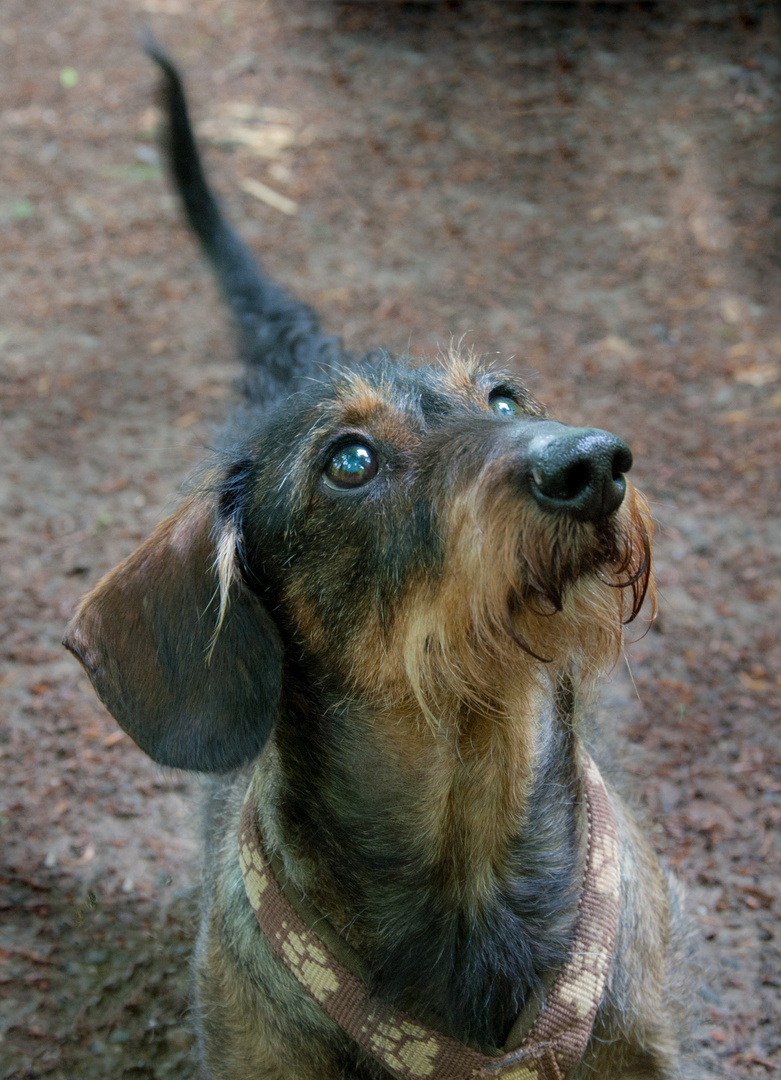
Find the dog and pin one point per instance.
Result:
(377, 623)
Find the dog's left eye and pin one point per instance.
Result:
(503, 404)
(350, 466)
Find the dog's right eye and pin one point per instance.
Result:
(350, 466)
(503, 403)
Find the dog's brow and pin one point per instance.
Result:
(434, 403)
(385, 409)
(363, 407)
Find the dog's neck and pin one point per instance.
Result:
(448, 856)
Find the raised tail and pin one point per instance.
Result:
(279, 337)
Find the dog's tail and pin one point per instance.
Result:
(279, 337)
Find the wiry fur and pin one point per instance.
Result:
(400, 673)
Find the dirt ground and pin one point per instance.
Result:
(592, 192)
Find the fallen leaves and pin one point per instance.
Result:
(268, 196)
(752, 682)
(265, 131)
(755, 898)
(86, 856)
(758, 374)
(619, 346)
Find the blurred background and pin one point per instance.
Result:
(590, 193)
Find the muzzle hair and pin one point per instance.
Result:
(528, 597)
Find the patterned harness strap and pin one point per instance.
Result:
(409, 1050)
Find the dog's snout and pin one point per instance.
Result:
(578, 471)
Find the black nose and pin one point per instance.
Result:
(578, 471)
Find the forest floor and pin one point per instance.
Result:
(590, 192)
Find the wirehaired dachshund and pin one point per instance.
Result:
(378, 622)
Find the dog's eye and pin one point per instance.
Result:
(350, 466)
(503, 404)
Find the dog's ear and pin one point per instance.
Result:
(191, 695)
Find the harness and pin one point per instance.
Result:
(409, 1050)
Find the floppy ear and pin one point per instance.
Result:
(189, 697)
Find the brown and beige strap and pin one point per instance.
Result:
(410, 1050)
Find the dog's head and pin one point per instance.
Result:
(415, 536)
